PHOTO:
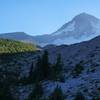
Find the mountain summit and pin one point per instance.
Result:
(85, 16)
(82, 27)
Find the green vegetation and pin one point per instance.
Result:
(78, 69)
(11, 46)
(13, 51)
(12, 56)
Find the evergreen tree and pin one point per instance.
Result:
(59, 64)
(35, 73)
(37, 92)
(79, 96)
(8, 79)
(38, 70)
(78, 69)
(5, 93)
(45, 66)
(31, 70)
(42, 68)
(57, 94)
(58, 68)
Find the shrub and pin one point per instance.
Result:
(78, 69)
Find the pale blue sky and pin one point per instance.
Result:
(42, 16)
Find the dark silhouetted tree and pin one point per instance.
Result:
(31, 70)
(42, 68)
(58, 68)
(45, 66)
(78, 70)
(37, 92)
(79, 96)
(57, 94)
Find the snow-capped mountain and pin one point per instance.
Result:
(82, 27)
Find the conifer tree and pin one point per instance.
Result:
(57, 94)
(42, 68)
(45, 66)
(8, 78)
(58, 68)
(79, 96)
(59, 64)
(78, 69)
(35, 71)
(38, 70)
(31, 70)
(5, 93)
(37, 92)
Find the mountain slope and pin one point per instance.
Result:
(85, 54)
(20, 36)
(87, 82)
(77, 52)
(11, 46)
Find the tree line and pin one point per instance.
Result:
(43, 70)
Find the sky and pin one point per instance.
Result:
(37, 17)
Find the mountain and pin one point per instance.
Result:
(84, 54)
(65, 72)
(81, 28)
(72, 54)
(80, 78)
(12, 46)
(20, 36)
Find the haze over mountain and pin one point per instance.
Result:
(81, 28)
(21, 36)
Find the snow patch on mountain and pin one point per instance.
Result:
(72, 40)
(69, 28)
(96, 27)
